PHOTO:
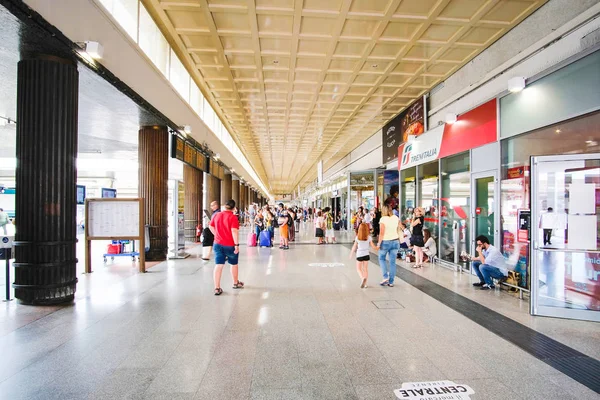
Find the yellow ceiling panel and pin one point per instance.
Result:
(369, 6)
(279, 24)
(415, 8)
(323, 5)
(400, 31)
(317, 77)
(462, 9)
(356, 28)
(317, 26)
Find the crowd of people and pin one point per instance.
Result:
(380, 230)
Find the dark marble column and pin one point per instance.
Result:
(235, 191)
(192, 178)
(153, 156)
(226, 188)
(46, 176)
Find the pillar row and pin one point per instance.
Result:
(46, 176)
(192, 209)
(153, 156)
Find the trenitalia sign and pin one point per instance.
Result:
(472, 129)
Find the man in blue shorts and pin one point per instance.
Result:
(225, 226)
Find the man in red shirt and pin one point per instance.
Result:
(225, 226)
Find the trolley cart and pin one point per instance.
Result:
(116, 249)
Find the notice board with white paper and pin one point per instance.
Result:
(114, 219)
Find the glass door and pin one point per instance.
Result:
(565, 262)
(484, 187)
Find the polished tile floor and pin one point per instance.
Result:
(295, 332)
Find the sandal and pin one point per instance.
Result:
(238, 285)
(218, 291)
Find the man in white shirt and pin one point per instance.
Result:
(368, 217)
(488, 264)
(548, 223)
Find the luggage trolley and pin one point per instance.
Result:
(117, 249)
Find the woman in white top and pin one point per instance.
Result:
(361, 247)
(319, 227)
(430, 249)
(388, 245)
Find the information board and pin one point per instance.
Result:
(113, 218)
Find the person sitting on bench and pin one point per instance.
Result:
(488, 264)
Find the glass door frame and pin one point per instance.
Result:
(535, 308)
(493, 173)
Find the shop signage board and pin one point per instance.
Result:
(437, 390)
(472, 129)
(410, 122)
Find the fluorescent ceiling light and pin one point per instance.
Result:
(451, 118)
(94, 49)
(516, 84)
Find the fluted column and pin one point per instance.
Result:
(226, 189)
(153, 156)
(235, 191)
(192, 209)
(46, 175)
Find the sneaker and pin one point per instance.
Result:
(390, 285)
(384, 282)
(487, 287)
(478, 284)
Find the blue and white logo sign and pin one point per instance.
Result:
(6, 242)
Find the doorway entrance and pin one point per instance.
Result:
(565, 226)
(484, 215)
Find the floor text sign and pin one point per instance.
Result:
(437, 390)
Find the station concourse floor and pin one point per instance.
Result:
(296, 331)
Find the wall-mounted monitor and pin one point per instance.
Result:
(109, 193)
(80, 194)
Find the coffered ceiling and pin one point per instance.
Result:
(298, 81)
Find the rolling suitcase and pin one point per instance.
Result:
(265, 239)
(251, 239)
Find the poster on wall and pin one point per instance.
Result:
(410, 122)
(391, 182)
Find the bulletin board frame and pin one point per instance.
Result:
(141, 236)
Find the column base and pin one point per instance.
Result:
(156, 255)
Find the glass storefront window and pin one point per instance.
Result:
(408, 194)
(455, 207)
(152, 41)
(428, 196)
(362, 190)
(576, 136)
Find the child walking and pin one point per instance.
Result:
(361, 248)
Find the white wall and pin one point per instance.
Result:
(366, 156)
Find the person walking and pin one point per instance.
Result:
(4, 220)
(329, 231)
(388, 245)
(225, 226)
(284, 229)
(362, 242)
